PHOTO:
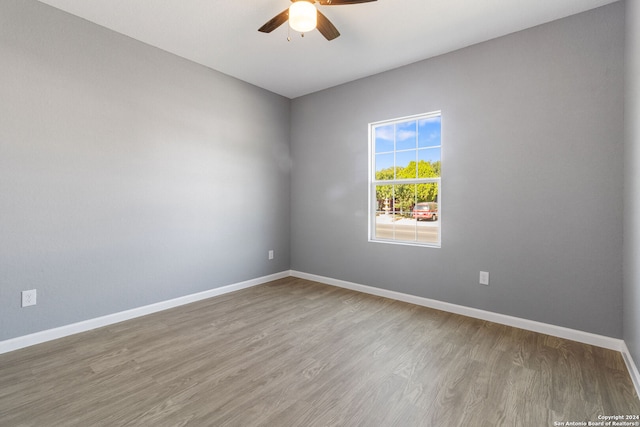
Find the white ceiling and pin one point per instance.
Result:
(375, 37)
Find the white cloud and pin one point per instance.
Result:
(406, 134)
(385, 132)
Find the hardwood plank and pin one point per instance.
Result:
(299, 353)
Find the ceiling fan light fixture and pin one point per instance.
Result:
(303, 16)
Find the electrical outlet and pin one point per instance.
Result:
(29, 298)
(271, 255)
(484, 278)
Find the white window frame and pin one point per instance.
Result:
(373, 183)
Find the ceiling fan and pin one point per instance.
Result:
(304, 17)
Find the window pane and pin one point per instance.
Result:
(384, 199)
(384, 218)
(405, 198)
(384, 138)
(406, 135)
(406, 163)
(384, 166)
(429, 162)
(429, 132)
(427, 214)
(427, 192)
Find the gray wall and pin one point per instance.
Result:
(632, 183)
(128, 175)
(532, 175)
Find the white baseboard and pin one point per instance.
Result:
(530, 325)
(558, 331)
(632, 367)
(87, 325)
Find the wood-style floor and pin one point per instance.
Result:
(299, 353)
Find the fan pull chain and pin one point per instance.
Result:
(289, 34)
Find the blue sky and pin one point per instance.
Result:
(415, 136)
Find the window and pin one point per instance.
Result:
(404, 180)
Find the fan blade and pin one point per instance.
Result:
(326, 28)
(275, 22)
(342, 2)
